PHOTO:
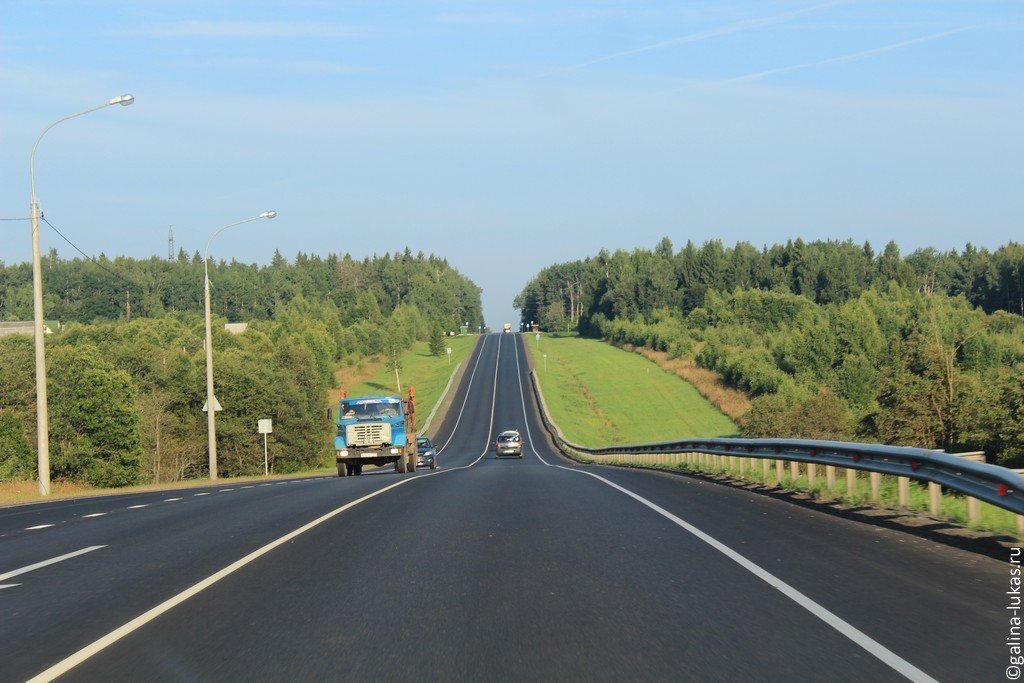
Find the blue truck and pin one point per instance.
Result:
(376, 430)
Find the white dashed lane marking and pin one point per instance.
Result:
(38, 526)
(202, 494)
(136, 507)
(95, 514)
(171, 500)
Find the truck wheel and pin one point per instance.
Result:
(400, 465)
(412, 462)
(359, 469)
(342, 471)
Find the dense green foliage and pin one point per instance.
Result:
(830, 340)
(125, 397)
(81, 291)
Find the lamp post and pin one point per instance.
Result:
(42, 411)
(211, 402)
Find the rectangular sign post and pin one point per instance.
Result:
(265, 427)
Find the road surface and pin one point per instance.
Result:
(486, 569)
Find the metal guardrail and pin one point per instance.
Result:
(991, 483)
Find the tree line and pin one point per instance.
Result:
(123, 288)
(831, 340)
(125, 396)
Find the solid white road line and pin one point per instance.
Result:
(469, 389)
(95, 514)
(54, 560)
(872, 646)
(38, 526)
(136, 507)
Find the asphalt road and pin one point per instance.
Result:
(486, 569)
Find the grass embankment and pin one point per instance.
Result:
(428, 374)
(600, 395)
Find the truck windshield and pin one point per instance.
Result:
(370, 411)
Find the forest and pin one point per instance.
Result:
(830, 339)
(125, 390)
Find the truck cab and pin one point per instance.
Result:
(372, 430)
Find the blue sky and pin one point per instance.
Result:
(510, 135)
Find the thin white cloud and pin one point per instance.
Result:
(856, 56)
(279, 66)
(248, 29)
(738, 27)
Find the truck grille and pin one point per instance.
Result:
(369, 434)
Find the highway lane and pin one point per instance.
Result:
(152, 552)
(517, 569)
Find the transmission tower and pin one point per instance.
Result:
(170, 243)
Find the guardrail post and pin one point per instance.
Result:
(779, 471)
(934, 498)
(903, 490)
(851, 483)
(812, 473)
(876, 486)
(1020, 518)
(794, 470)
(766, 467)
(973, 504)
(830, 476)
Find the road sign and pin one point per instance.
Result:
(265, 427)
(216, 405)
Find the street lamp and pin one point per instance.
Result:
(211, 402)
(42, 412)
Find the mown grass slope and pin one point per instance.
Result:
(601, 395)
(428, 374)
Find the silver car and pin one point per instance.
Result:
(509, 443)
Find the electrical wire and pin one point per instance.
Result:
(76, 247)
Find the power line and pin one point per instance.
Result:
(15, 219)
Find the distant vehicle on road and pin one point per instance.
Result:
(426, 454)
(508, 327)
(509, 443)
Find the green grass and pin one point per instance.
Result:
(428, 374)
(600, 395)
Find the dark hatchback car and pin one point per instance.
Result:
(509, 443)
(426, 453)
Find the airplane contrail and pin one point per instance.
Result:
(738, 27)
(856, 56)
